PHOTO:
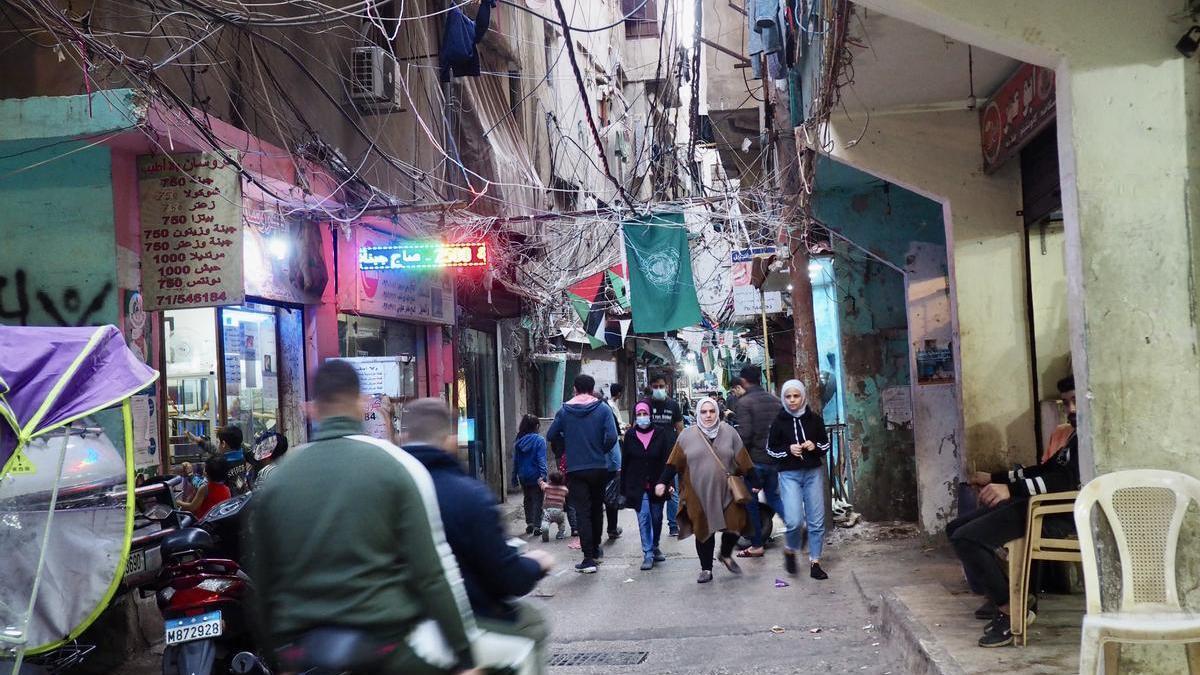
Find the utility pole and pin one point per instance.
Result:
(795, 205)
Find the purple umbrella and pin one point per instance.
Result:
(50, 377)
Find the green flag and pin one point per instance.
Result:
(660, 273)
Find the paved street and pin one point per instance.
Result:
(721, 627)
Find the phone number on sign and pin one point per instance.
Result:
(191, 298)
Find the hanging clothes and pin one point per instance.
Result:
(766, 36)
(458, 55)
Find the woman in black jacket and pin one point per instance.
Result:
(646, 450)
(798, 441)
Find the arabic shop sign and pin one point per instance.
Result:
(422, 255)
(1018, 111)
(191, 213)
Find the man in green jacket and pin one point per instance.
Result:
(347, 533)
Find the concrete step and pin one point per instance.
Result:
(936, 633)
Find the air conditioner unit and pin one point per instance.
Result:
(375, 80)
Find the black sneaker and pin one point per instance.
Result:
(613, 534)
(658, 556)
(546, 534)
(599, 553)
(789, 562)
(816, 572)
(730, 564)
(987, 611)
(705, 577)
(648, 563)
(674, 531)
(588, 566)
(998, 632)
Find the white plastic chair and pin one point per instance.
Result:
(1145, 510)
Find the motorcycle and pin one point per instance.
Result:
(204, 596)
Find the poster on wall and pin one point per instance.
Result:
(284, 257)
(377, 418)
(191, 215)
(747, 300)
(144, 411)
(935, 363)
(424, 295)
(136, 327)
(386, 375)
(233, 359)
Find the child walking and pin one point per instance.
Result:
(530, 464)
(554, 497)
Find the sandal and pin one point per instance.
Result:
(749, 552)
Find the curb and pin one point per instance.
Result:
(919, 649)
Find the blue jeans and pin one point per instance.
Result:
(802, 492)
(768, 477)
(673, 507)
(650, 516)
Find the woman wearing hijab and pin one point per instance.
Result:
(704, 456)
(646, 451)
(797, 439)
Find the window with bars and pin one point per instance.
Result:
(641, 18)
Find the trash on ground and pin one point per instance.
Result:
(814, 630)
(628, 581)
(780, 583)
(777, 629)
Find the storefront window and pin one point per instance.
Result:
(250, 368)
(193, 403)
(367, 336)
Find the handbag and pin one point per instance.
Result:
(737, 484)
(613, 495)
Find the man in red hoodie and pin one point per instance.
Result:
(588, 430)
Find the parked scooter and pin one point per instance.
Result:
(204, 596)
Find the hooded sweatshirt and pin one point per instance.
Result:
(530, 459)
(588, 430)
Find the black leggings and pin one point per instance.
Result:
(705, 548)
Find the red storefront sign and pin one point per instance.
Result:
(1017, 112)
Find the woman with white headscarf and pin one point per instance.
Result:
(703, 458)
(798, 440)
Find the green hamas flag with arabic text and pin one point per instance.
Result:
(660, 273)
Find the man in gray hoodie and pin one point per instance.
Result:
(588, 430)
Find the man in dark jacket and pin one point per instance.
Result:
(387, 570)
(1004, 496)
(588, 429)
(755, 410)
(494, 573)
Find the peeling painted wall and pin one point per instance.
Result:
(873, 313)
(58, 260)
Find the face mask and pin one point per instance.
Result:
(659, 394)
(643, 421)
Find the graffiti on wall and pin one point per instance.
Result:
(24, 303)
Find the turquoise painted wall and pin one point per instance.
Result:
(873, 322)
(57, 244)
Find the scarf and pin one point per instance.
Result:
(799, 386)
(709, 432)
(644, 435)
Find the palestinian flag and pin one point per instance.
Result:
(592, 297)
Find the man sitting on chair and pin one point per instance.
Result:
(1001, 518)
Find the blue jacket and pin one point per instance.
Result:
(529, 459)
(492, 571)
(589, 431)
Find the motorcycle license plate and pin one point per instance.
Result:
(194, 628)
(136, 563)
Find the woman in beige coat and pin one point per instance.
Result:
(708, 506)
